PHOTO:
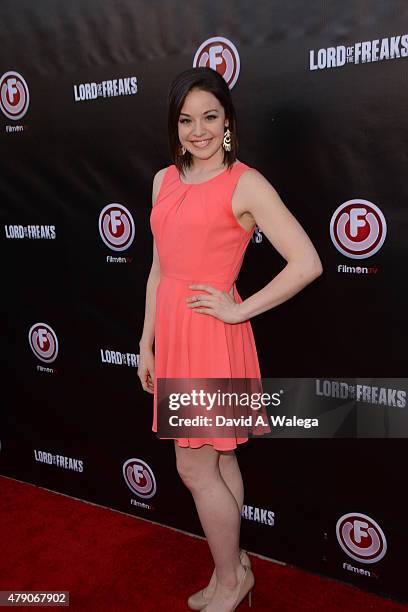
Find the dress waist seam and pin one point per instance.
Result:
(194, 279)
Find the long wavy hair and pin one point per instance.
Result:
(205, 79)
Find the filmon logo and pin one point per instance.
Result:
(140, 479)
(361, 537)
(392, 47)
(221, 55)
(14, 95)
(117, 230)
(358, 229)
(43, 342)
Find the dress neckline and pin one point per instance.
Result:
(209, 180)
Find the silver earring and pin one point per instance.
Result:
(226, 143)
(183, 150)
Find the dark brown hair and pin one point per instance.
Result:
(205, 79)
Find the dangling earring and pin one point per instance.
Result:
(183, 150)
(226, 143)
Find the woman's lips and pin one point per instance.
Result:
(201, 144)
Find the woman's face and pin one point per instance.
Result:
(201, 124)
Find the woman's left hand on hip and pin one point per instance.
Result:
(219, 304)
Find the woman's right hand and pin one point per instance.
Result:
(145, 370)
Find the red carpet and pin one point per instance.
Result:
(109, 561)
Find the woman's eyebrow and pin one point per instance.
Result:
(207, 111)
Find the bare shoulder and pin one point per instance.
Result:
(251, 179)
(157, 182)
(252, 191)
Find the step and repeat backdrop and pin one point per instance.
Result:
(319, 90)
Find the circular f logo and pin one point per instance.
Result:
(139, 478)
(116, 227)
(361, 537)
(43, 342)
(221, 55)
(14, 96)
(358, 228)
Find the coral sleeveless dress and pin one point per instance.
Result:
(199, 241)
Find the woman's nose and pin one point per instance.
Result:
(199, 130)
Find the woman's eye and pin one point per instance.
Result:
(208, 117)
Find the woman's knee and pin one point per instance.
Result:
(197, 469)
(227, 457)
(228, 461)
(186, 473)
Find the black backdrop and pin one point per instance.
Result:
(91, 79)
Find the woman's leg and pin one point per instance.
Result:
(218, 511)
(232, 476)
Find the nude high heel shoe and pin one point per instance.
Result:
(247, 584)
(245, 588)
(198, 600)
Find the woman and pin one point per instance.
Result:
(205, 208)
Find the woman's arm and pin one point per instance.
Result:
(147, 337)
(153, 280)
(257, 196)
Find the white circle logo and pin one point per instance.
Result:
(221, 55)
(358, 228)
(361, 537)
(43, 342)
(139, 478)
(14, 96)
(116, 227)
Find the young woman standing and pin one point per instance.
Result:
(205, 208)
